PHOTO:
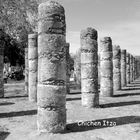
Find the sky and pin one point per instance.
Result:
(118, 19)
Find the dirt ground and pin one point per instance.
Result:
(118, 118)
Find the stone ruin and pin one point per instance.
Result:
(47, 68)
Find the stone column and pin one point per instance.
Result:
(2, 43)
(99, 73)
(131, 68)
(51, 89)
(68, 67)
(135, 68)
(116, 68)
(89, 68)
(26, 71)
(32, 59)
(136, 72)
(123, 68)
(138, 66)
(106, 67)
(127, 68)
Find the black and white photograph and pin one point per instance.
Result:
(69, 69)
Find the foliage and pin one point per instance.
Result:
(12, 51)
(18, 18)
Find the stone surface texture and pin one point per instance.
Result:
(51, 89)
(106, 67)
(128, 68)
(33, 63)
(123, 68)
(26, 71)
(116, 68)
(89, 67)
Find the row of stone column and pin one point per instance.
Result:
(47, 76)
(48, 51)
(31, 64)
(117, 68)
(46, 69)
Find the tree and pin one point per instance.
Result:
(12, 51)
(18, 18)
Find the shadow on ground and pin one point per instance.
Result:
(98, 124)
(9, 97)
(19, 113)
(72, 99)
(132, 88)
(6, 103)
(126, 94)
(3, 135)
(118, 104)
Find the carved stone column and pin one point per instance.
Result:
(32, 59)
(136, 72)
(116, 68)
(128, 68)
(51, 92)
(106, 67)
(123, 68)
(131, 68)
(26, 71)
(89, 68)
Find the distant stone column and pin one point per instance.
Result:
(89, 68)
(123, 68)
(106, 67)
(51, 89)
(2, 43)
(128, 68)
(116, 68)
(138, 66)
(26, 71)
(131, 68)
(136, 72)
(99, 74)
(137, 63)
(68, 67)
(32, 57)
